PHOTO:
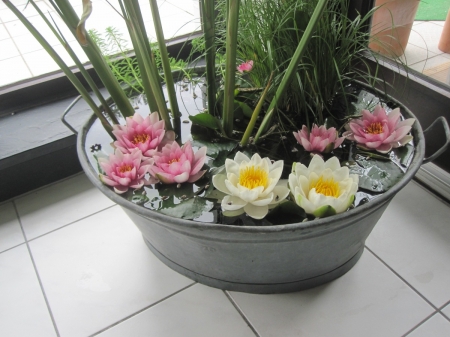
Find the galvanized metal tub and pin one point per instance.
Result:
(271, 259)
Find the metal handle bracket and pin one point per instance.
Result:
(63, 117)
(430, 129)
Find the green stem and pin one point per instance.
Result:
(165, 60)
(78, 63)
(75, 81)
(230, 66)
(255, 114)
(209, 32)
(149, 68)
(97, 60)
(292, 68)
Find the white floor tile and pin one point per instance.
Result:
(367, 301)
(413, 238)
(57, 205)
(10, 231)
(23, 311)
(3, 32)
(414, 54)
(27, 44)
(6, 15)
(8, 49)
(426, 36)
(98, 271)
(40, 62)
(434, 62)
(198, 311)
(446, 311)
(13, 70)
(436, 326)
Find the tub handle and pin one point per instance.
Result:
(63, 117)
(430, 130)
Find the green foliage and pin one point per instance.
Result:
(269, 33)
(122, 62)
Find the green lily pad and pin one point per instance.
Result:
(213, 149)
(189, 209)
(375, 175)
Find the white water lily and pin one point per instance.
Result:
(323, 188)
(251, 185)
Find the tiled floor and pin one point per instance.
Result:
(73, 264)
(21, 57)
(422, 53)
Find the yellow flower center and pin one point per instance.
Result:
(374, 128)
(142, 138)
(329, 188)
(174, 160)
(252, 177)
(125, 168)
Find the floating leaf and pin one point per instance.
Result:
(375, 175)
(213, 149)
(189, 209)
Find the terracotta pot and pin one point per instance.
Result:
(391, 26)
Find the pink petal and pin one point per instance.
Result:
(197, 176)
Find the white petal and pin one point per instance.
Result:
(341, 174)
(276, 173)
(304, 203)
(231, 187)
(279, 194)
(332, 163)
(232, 203)
(256, 159)
(240, 157)
(263, 200)
(256, 212)
(249, 195)
(219, 182)
(277, 164)
(316, 164)
(231, 166)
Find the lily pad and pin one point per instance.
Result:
(214, 149)
(375, 175)
(189, 209)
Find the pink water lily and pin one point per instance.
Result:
(319, 140)
(175, 164)
(125, 170)
(379, 131)
(245, 67)
(146, 134)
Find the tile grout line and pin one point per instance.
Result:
(20, 244)
(71, 223)
(141, 310)
(37, 273)
(401, 278)
(41, 188)
(436, 309)
(239, 310)
(442, 308)
(20, 53)
(420, 323)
